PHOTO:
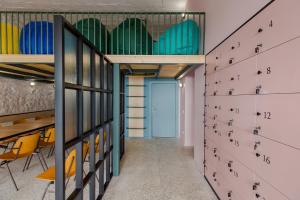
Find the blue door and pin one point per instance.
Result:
(163, 108)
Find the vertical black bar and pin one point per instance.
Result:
(79, 145)
(93, 122)
(101, 168)
(107, 160)
(60, 109)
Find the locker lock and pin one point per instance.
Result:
(255, 185)
(216, 131)
(257, 195)
(216, 107)
(260, 30)
(216, 68)
(231, 61)
(214, 174)
(230, 164)
(229, 193)
(215, 150)
(232, 78)
(215, 117)
(214, 126)
(230, 133)
(230, 122)
(258, 88)
(231, 140)
(217, 58)
(215, 93)
(256, 145)
(255, 131)
(216, 82)
(259, 72)
(232, 47)
(258, 48)
(257, 155)
(230, 91)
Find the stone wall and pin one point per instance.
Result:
(18, 96)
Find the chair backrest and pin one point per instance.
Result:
(97, 140)
(70, 164)
(26, 145)
(50, 135)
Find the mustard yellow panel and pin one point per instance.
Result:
(9, 38)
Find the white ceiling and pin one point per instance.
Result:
(94, 5)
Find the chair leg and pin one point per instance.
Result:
(46, 189)
(27, 159)
(12, 178)
(28, 164)
(40, 152)
(41, 161)
(53, 150)
(50, 151)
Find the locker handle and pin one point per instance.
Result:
(259, 72)
(231, 140)
(217, 58)
(260, 30)
(231, 61)
(229, 194)
(257, 155)
(229, 164)
(258, 113)
(232, 47)
(257, 195)
(232, 78)
(254, 187)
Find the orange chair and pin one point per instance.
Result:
(97, 141)
(47, 140)
(24, 147)
(70, 169)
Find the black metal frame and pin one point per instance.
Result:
(122, 113)
(81, 86)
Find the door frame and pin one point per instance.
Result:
(149, 121)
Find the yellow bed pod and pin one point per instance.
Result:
(9, 38)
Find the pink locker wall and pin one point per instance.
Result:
(252, 108)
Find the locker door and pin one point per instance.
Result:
(210, 61)
(240, 144)
(278, 118)
(263, 190)
(279, 69)
(279, 165)
(241, 178)
(241, 78)
(279, 23)
(238, 111)
(210, 84)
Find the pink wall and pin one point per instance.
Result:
(223, 17)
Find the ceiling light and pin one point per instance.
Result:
(32, 83)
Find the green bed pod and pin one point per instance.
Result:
(131, 37)
(95, 32)
(179, 39)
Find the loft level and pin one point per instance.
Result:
(42, 66)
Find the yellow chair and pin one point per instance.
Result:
(47, 140)
(97, 141)
(9, 38)
(70, 169)
(24, 147)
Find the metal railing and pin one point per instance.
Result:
(126, 33)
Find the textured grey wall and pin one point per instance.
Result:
(18, 96)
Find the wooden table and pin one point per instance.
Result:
(26, 127)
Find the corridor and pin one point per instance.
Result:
(158, 169)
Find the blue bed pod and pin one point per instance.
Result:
(37, 38)
(179, 39)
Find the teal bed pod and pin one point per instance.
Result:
(179, 39)
(131, 37)
(95, 32)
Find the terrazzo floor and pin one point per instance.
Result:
(158, 169)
